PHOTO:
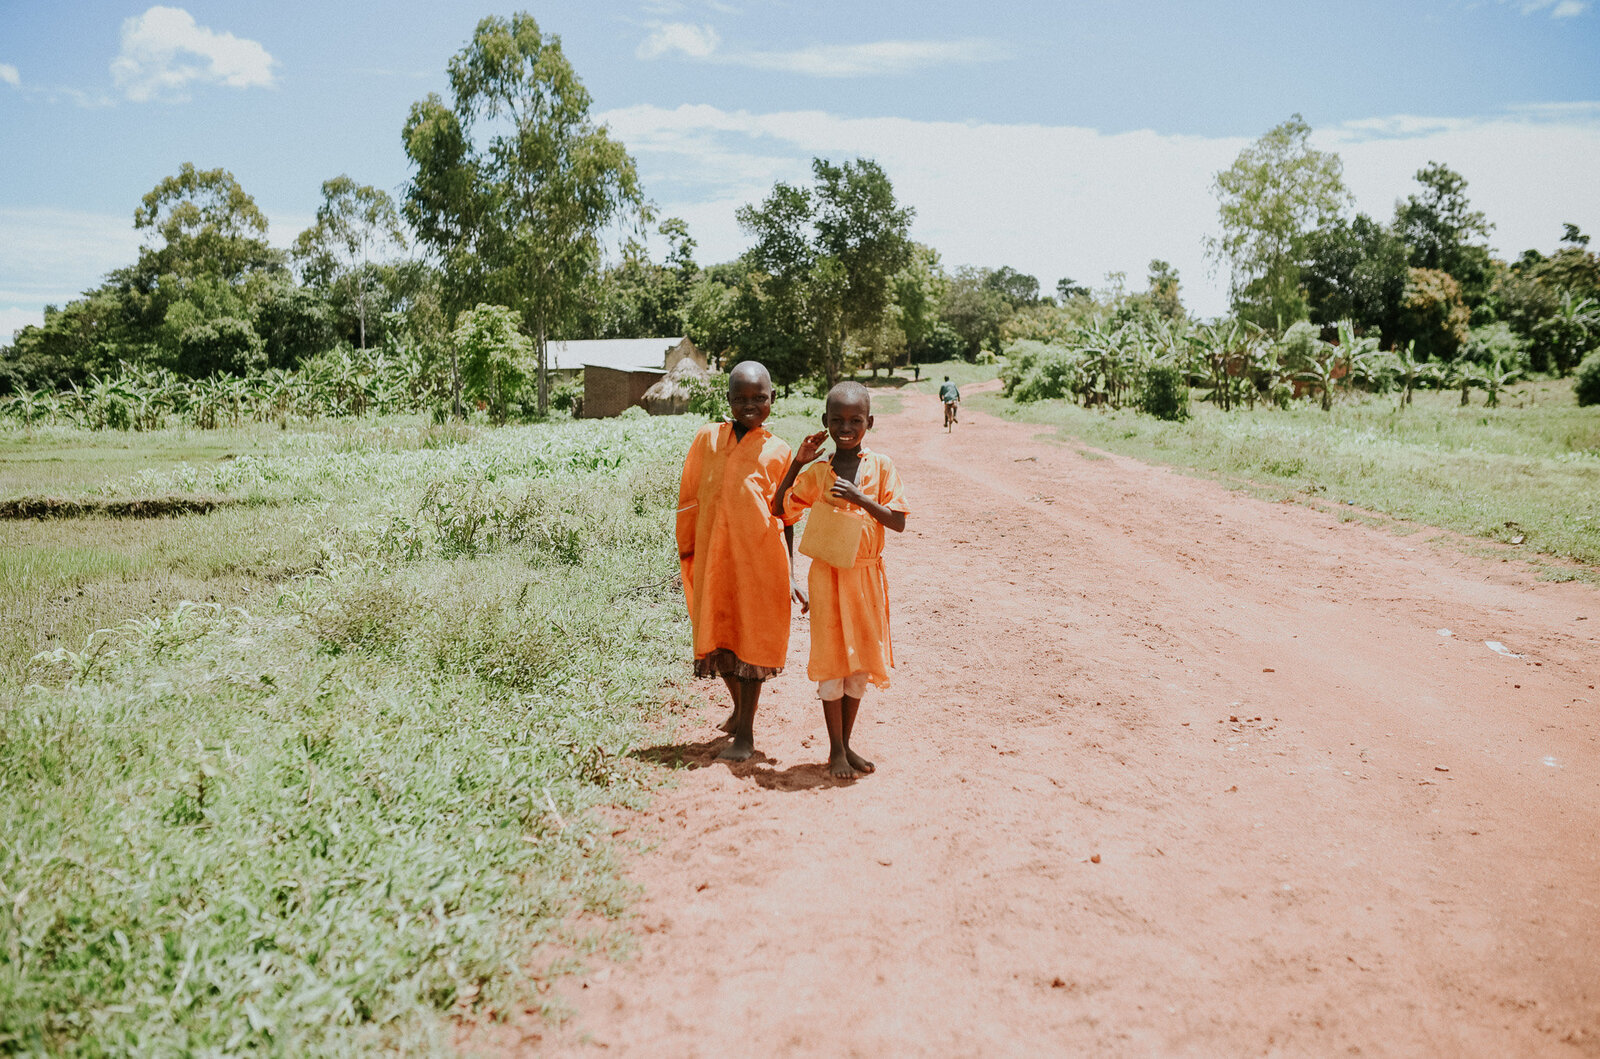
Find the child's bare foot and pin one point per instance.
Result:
(740, 749)
(839, 767)
(727, 726)
(859, 763)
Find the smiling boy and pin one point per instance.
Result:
(735, 551)
(849, 604)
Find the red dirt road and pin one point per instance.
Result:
(1322, 826)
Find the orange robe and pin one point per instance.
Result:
(731, 547)
(850, 608)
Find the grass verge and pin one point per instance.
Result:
(1527, 472)
(338, 810)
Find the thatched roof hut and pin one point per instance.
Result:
(670, 394)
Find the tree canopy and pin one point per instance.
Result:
(1275, 194)
(513, 182)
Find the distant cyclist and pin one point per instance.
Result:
(951, 396)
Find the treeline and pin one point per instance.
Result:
(1424, 280)
(451, 292)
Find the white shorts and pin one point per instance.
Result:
(853, 686)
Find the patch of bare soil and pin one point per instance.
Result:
(1165, 770)
(48, 507)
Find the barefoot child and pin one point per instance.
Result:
(849, 604)
(736, 553)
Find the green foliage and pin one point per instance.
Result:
(1441, 231)
(1274, 195)
(220, 346)
(1587, 381)
(1164, 392)
(831, 252)
(210, 225)
(513, 182)
(975, 310)
(1355, 271)
(1433, 314)
(356, 225)
(708, 396)
(1038, 372)
(335, 821)
(1495, 342)
(495, 358)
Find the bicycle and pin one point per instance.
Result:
(949, 415)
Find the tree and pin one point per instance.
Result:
(1355, 271)
(1068, 289)
(356, 224)
(209, 225)
(919, 289)
(1433, 314)
(513, 182)
(1274, 195)
(1441, 231)
(494, 358)
(833, 250)
(637, 298)
(974, 310)
(1163, 292)
(1017, 288)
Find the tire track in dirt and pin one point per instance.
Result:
(1243, 709)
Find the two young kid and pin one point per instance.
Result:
(739, 499)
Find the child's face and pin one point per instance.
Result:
(847, 423)
(750, 401)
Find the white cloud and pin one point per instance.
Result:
(1557, 8)
(164, 51)
(878, 58)
(1059, 201)
(53, 255)
(697, 42)
(9, 74)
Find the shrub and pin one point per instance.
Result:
(1163, 393)
(495, 358)
(225, 346)
(708, 397)
(1588, 387)
(1035, 371)
(1495, 342)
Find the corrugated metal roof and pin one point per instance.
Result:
(623, 354)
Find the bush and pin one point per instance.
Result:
(1495, 342)
(1035, 371)
(495, 358)
(708, 397)
(1163, 393)
(1588, 388)
(225, 346)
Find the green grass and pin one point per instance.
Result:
(961, 373)
(1530, 468)
(337, 810)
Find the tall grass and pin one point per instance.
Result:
(1526, 472)
(344, 815)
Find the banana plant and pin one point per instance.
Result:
(1497, 377)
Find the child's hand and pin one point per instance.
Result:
(847, 490)
(811, 447)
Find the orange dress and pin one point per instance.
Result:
(732, 552)
(850, 607)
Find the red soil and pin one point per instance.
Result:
(1165, 770)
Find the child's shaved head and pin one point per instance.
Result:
(850, 393)
(747, 372)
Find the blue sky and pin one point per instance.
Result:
(1064, 139)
